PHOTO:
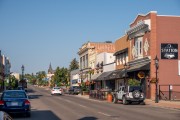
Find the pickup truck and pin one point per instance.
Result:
(128, 94)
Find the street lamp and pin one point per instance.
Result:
(22, 68)
(156, 66)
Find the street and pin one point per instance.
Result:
(71, 107)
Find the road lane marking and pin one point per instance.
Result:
(82, 106)
(104, 114)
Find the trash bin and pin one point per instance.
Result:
(109, 97)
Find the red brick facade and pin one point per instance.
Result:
(163, 29)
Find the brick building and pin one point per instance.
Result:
(152, 35)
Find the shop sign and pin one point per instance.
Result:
(141, 74)
(169, 51)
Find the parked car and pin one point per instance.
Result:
(15, 102)
(129, 94)
(5, 116)
(74, 90)
(56, 91)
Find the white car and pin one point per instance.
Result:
(56, 91)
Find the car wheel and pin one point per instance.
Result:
(125, 102)
(114, 100)
(136, 94)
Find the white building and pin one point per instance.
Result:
(75, 78)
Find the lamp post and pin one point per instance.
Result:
(22, 68)
(156, 66)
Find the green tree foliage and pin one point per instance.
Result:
(31, 78)
(60, 77)
(133, 82)
(13, 82)
(41, 75)
(74, 65)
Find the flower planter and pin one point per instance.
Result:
(85, 93)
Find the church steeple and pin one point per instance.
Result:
(50, 70)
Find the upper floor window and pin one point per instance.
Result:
(138, 47)
(122, 58)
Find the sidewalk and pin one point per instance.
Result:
(164, 104)
(161, 104)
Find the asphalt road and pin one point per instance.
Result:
(71, 107)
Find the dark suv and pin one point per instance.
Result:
(74, 90)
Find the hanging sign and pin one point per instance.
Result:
(169, 51)
(141, 74)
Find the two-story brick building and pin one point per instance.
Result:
(152, 35)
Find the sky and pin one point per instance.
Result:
(35, 33)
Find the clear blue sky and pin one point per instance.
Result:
(37, 32)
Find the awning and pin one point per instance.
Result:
(94, 77)
(138, 67)
(104, 76)
(117, 74)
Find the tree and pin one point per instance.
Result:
(74, 65)
(60, 77)
(40, 76)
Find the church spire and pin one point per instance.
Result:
(50, 70)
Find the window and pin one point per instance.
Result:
(122, 58)
(86, 61)
(81, 63)
(138, 47)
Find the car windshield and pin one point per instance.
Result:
(132, 88)
(14, 94)
(56, 88)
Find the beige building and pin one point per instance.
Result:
(16, 75)
(87, 56)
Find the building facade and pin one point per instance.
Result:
(154, 35)
(87, 56)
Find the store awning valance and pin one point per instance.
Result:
(138, 67)
(117, 74)
(104, 76)
(94, 77)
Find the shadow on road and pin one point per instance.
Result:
(30, 91)
(88, 118)
(37, 115)
(34, 96)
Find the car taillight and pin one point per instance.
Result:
(60, 90)
(27, 102)
(1, 102)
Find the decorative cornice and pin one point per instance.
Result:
(138, 30)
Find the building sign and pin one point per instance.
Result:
(141, 74)
(169, 51)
